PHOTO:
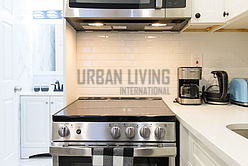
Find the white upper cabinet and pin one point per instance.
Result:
(208, 12)
(235, 8)
(217, 12)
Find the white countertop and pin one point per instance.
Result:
(49, 93)
(208, 123)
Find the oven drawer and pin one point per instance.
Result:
(138, 152)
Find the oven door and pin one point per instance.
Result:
(145, 156)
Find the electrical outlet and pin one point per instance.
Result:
(196, 60)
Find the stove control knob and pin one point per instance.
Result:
(64, 131)
(130, 132)
(116, 132)
(145, 132)
(159, 132)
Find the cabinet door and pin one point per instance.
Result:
(211, 11)
(184, 146)
(194, 153)
(35, 122)
(200, 155)
(235, 8)
(57, 103)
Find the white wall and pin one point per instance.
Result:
(46, 4)
(126, 50)
(70, 64)
(23, 43)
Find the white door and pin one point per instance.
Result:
(34, 124)
(8, 105)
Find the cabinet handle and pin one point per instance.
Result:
(51, 102)
(225, 14)
(46, 102)
(197, 15)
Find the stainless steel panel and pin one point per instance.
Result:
(189, 73)
(172, 161)
(55, 160)
(138, 152)
(88, 13)
(101, 131)
(155, 152)
(180, 12)
(70, 151)
(188, 101)
(241, 129)
(159, 4)
(120, 144)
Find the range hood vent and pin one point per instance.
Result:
(173, 25)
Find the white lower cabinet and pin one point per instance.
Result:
(194, 153)
(36, 119)
(57, 103)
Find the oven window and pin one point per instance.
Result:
(138, 161)
(113, 4)
(151, 161)
(75, 161)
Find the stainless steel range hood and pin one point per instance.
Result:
(157, 19)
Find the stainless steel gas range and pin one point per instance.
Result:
(146, 125)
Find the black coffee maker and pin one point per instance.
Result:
(218, 93)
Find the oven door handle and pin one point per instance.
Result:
(138, 152)
(155, 152)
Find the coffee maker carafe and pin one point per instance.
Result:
(188, 85)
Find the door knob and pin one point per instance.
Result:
(225, 14)
(197, 15)
(17, 89)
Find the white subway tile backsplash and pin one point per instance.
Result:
(140, 50)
